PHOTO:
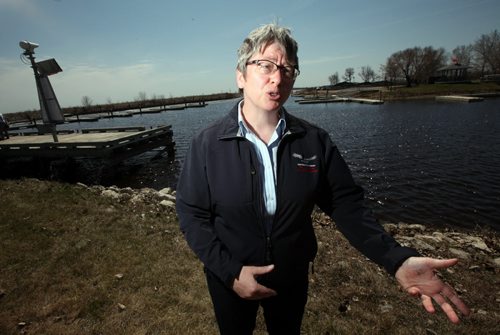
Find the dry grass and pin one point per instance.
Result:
(430, 91)
(350, 295)
(63, 245)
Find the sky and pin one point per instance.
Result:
(111, 50)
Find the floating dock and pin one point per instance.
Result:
(113, 144)
(367, 101)
(458, 98)
(94, 117)
(320, 101)
(338, 99)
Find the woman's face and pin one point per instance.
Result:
(265, 92)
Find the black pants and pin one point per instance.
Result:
(236, 316)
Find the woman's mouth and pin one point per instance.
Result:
(274, 95)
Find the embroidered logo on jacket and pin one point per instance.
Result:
(307, 164)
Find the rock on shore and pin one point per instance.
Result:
(162, 199)
(481, 250)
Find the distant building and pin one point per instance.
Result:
(454, 73)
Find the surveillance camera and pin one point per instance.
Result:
(28, 46)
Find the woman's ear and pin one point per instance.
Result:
(240, 79)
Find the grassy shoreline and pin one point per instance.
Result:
(76, 260)
(398, 93)
(122, 106)
(386, 93)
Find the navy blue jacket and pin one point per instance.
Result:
(220, 203)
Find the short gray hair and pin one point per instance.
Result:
(264, 36)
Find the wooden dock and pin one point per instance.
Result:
(367, 101)
(458, 98)
(340, 99)
(94, 117)
(114, 144)
(319, 101)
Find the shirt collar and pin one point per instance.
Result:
(244, 129)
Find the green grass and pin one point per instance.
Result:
(61, 247)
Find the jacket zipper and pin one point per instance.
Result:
(269, 244)
(267, 230)
(260, 207)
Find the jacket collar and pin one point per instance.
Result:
(230, 127)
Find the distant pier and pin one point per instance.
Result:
(22, 126)
(339, 99)
(459, 98)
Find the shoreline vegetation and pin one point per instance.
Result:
(380, 91)
(383, 91)
(78, 259)
(123, 106)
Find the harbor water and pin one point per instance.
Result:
(425, 162)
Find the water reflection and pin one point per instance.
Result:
(420, 162)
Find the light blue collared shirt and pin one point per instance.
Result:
(266, 154)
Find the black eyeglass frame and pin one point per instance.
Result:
(283, 68)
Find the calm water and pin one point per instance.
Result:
(419, 162)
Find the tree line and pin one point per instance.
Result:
(419, 64)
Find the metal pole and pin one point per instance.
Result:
(40, 90)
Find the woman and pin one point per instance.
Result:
(246, 192)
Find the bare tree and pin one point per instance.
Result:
(390, 72)
(86, 101)
(464, 54)
(367, 74)
(348, 74)
(487, 52)
(142, 96)
(416, 64)
(429, 60)
(404, 62)
(334, 79)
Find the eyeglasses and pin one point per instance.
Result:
(266, 67)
